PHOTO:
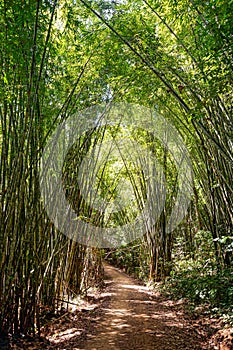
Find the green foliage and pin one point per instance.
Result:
(131, 258)
(199, 281)
(58, 57)
(214, 290)
(196, 253)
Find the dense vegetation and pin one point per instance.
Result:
(60, 57)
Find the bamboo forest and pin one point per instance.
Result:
(116, 173)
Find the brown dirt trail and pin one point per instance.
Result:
(125, 316)
(138, 319)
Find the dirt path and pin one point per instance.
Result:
(125, 316)
(138, 319)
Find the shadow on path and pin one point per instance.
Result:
(136, 318)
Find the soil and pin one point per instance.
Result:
(127, 315)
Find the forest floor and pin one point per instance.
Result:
(127, 315)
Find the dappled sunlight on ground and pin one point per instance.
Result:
(66, 335)
(126, 315)
(137, 319)
(140, 289)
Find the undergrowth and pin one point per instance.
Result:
(198, 280)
